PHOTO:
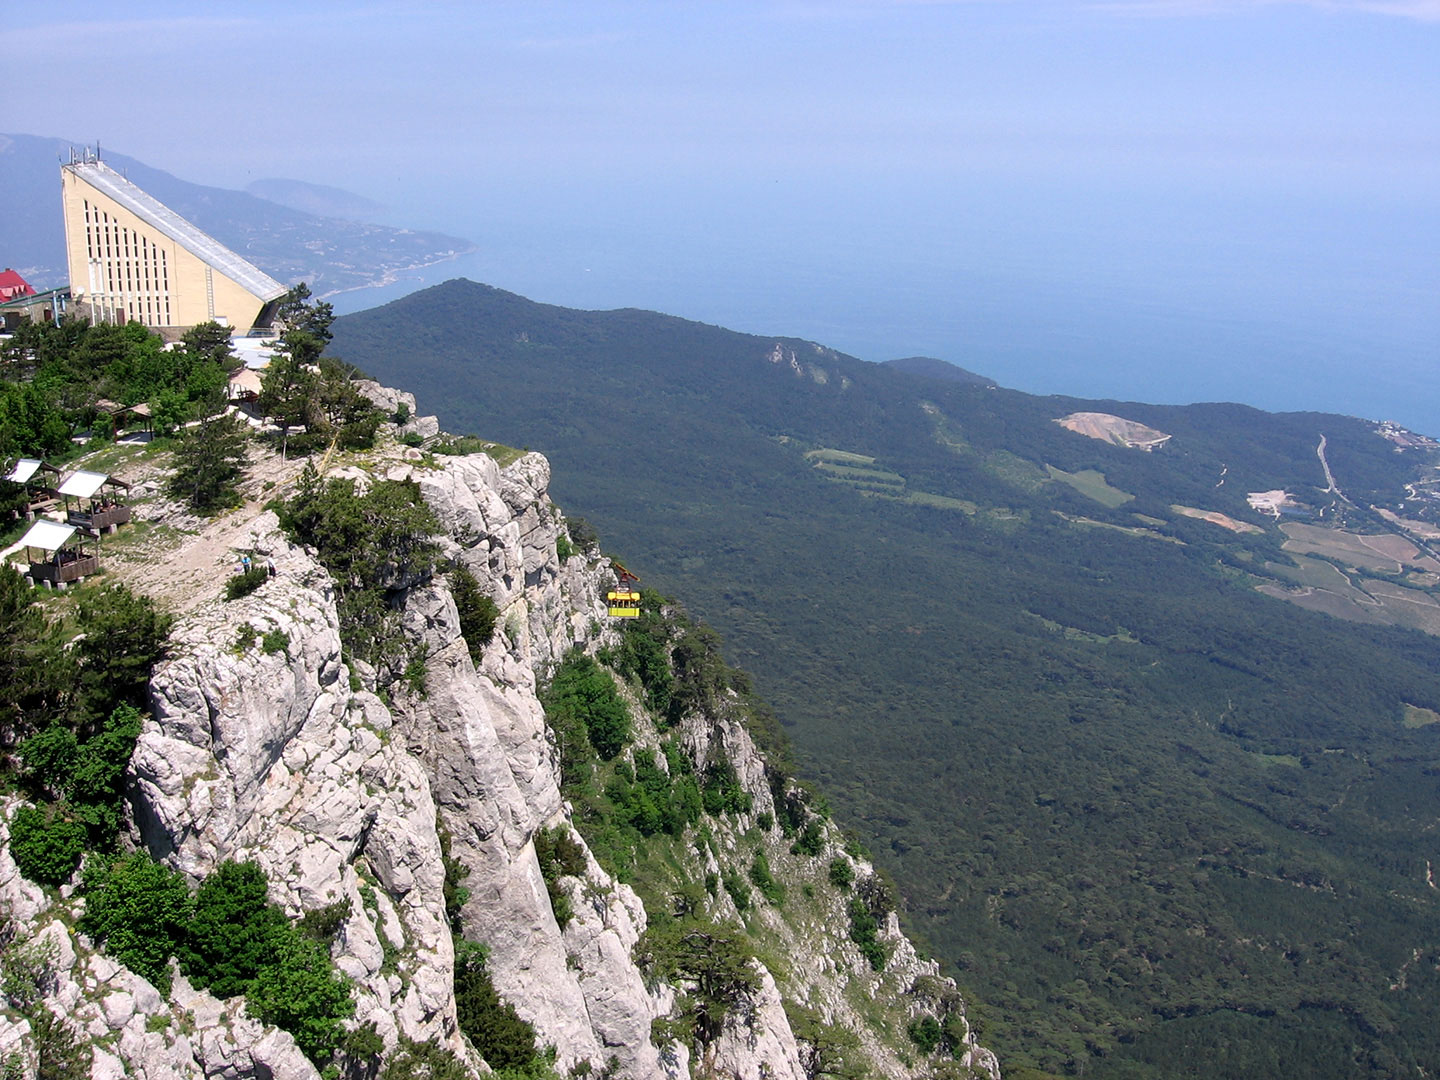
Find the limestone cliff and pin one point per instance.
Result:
(345, 785)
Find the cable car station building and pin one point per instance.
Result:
(133, 258)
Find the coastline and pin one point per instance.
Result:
(392, 275)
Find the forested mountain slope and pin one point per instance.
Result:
(1161, 823)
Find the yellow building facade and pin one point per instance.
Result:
(133, 258)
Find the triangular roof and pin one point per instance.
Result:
(156, 214)
(13, 283)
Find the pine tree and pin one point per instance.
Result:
(208, 463)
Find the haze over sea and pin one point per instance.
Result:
(1282, 304)
(1167, 200)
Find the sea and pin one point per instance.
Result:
(1325, 302)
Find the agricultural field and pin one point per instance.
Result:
(1092, 485)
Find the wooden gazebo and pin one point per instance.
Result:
(38, 479)
(98, 500)
(125, 416)
(62, 557)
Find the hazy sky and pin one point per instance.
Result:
(1186, 188)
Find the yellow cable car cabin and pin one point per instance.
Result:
(623, 603)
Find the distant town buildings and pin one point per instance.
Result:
(132, 258)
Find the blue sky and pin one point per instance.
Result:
(1139, 198)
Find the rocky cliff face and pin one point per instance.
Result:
(343, 790)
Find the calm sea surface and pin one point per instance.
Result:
(1281, 303)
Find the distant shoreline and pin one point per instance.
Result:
(391, 276)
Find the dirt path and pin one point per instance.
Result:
(187, 559)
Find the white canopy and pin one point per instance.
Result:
(25, 468)
(47, 535)
(82, 484)
(246, 379)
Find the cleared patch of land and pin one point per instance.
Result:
(1342, 606)
(1015, 470)
(1270, 502)
(1384, 551)
(1416, 717)
(861, 472)
(1225, 521)
(1114, 429)
(1269, 761)
(940, 502)
(1312, 573)
(1128, 530)
(858, 470)
(1425, 530)
(1092, 485)
(1074, 633)
(1411, 607)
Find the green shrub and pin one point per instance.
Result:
(863, 930)
(245, 636)
(416, 672)
(925, 1033)
(581, 689)
(461, 445)
(371, 544)
(412, 438)
(49, 758)
(123, 635)
(97, 785)
(46, 847)
(324, 923)
(454, 892)
(582, 533)
(736, 887)
(644, 654)
(811, 840)
(244, 584)
(234, 930)
(139, 910)
(713, 960)
(721, 792)
(478, 613)
(493, 1027)
(763, 880)
(59, 1054)
(700, 673)
(34, 670)
(842, 872)
(274, 641)
(300, 991)
(560, 855)
(209, 460)
(361, 1048)
(424, 1061)
(563, 548)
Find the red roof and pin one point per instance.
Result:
(13, 285)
